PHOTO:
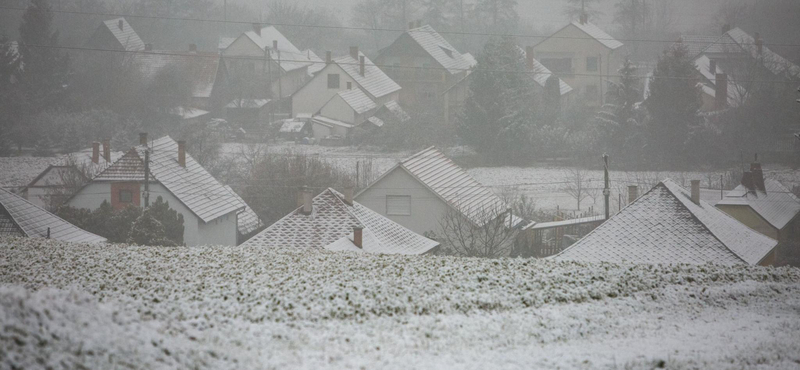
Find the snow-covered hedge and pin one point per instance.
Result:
(260, 285)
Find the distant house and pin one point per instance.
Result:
(584, 56)
(745, 56)
(766, 206)
(115, 34)
(335, 222)
(56, 183)
(350, 106)
(419, 191)
(265, 54)
(211, 211)
(249, 112)
(20, 218)
(670, 225)
(205, 74)
(426, 65)
(353, 71)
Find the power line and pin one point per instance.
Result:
(352, 28)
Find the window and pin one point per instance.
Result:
(558, 65)
(349, 86)
(591, 64)
(333, 81)
(398, 205)
(125, 196)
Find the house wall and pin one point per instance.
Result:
(195, 232)
(573, 43)
(313, 96)
(245, 61)
(747, 216)
(427, 209)
(339, 110)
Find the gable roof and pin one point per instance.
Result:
(201, 68)
(738, 40)
(439, 49)
(291, 58)
(735, 92)
(248, 220)
(127, 37)
(356, 99)
(330, 226)
(247, 103)
(778, 206)
(593, 32)
(374, 81)
(20, 217)
(193, 185)
(541, 74)
(697, 43)
(665, 226)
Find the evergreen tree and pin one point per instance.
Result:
(170, 219)
(673, 105)
(146, 230)
(498, 115)
(46, 68)
(618, 123)
(9, 96)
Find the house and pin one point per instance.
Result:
(426, 65)
(766, 206)
(57, 182)
(210, 211)
(419, 192)
(21, 218)
(670, 225)
(205, 75)
(714, 82)
(349, 106)
(584, 56)
(745, 56)
(390, 112)
(266, 56)
(335, 222)
(115, 34)
(353, 71)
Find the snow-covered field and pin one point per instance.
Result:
(118, 306)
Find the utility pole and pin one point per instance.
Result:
(606, 190)
(146, 178)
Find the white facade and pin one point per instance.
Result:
(244, 58)
(221, 231)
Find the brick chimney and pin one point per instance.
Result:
(328, 57)
(721, 91)
(358, 236)
(529, 57)
(759, 44)
(308, 201)
(182, 153)
(633, 193)
(121, 25)
(696, 192)
(747, 181)
(107, 149)
(257, 28)
(354, 52)
(757, 175)
(95, 152)
(348, 195)
(142, 138)
(193, 48)
(361, 66)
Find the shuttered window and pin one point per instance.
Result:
(398, 205)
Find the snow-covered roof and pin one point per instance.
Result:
(290, 57)
(127, 37)
(440, 50)
(247, 103)
(697, 43)
(224, 42)
(598, 34)
(541, 74)
(376, 121)
(330, 122)
(201, 68)
(330, 226)
(398, 111)
(318, 63)
(665, 226)
(248, 220)
(470, 59)
(777, 206)
(735, 92)
(356, 99)
(292, 126)
(19, 217)
(192, 185)
(374, 81)
(736, 40)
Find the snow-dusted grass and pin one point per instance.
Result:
(230, 307)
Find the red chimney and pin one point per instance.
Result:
(95, 152)
(107, 149)
(358, 236)
(361, 65)
(529, 57)
(354, 52)
(308, 201)
(721, 91)
(182, 153)
(696, 192)
(257, 28)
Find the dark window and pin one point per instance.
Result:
(333, 81)
(125, 196)
(591, 64)
(349, 86)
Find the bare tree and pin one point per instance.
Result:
(463, 236)
(70, 177)
(577, 183)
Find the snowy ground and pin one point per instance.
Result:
(220, 307)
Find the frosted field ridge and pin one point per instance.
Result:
(118, 306)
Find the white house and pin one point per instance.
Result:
(211, 212)
(353, 71)
(335, 222)
(419, 191)
(20, 218)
